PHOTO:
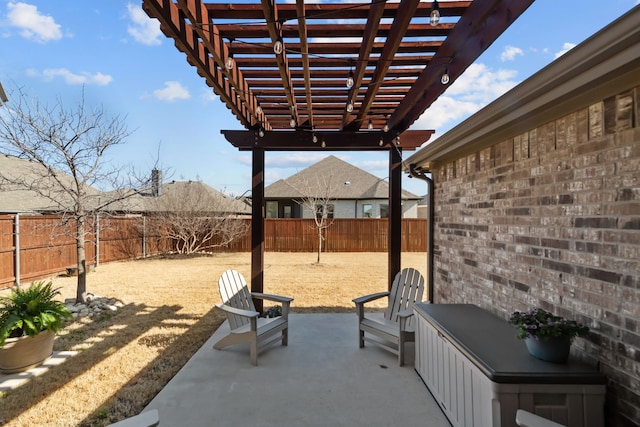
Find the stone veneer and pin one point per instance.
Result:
(551, 218)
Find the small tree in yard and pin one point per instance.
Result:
(319, 197)
(196, 217)
(67, 148)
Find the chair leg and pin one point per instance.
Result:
(285, 336)
(254, 352)
(224, 342)
(361, 338)
(401, 341)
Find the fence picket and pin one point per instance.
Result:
(47, 246)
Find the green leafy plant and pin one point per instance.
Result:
(540, 324)
(29, 311)
(274, 311)
(102, 413)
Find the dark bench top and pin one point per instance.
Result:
(491, 343)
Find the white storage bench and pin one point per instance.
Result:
(480, 373)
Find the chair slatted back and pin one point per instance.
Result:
(407, 289)
(234, 291)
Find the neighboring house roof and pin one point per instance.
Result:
(192, 193)
(17, 175)
(343, 179)
(16, 199)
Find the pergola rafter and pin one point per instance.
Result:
(388, 48)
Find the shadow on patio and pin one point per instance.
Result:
(321, 379)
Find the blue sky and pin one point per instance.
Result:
(54, 49)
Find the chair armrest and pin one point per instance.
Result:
(403, 317)
(405, 313)
(276, 298)
(238, 311)
(370, 297)
(285, 301)
(527, 419)
(364, 299)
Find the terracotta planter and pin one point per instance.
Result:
(23, 353)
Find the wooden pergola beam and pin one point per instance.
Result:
(302, 140)
(368, 37)
(289, 11)
(405, 12)
(474, 33)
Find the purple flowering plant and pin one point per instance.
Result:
(540, 324)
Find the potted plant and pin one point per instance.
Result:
(29, 319)
(547, 336)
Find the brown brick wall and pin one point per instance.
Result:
(551, 218)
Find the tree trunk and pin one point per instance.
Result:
(319, 244)
(81, 291)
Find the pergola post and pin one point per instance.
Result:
(257, 224)
(395, 211)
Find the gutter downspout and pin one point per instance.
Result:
(420, 173)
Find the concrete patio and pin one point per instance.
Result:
(321, 379)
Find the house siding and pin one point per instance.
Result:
(410, 209)
(353, 208)
(342, 209)
(551, 218)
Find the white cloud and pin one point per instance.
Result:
(271, 176)
(477, 87)
(566, 47)
(294, 160)
(510, 52)
(373, 164)
(70, 78)
(171, 92)
(245, 159)
(208, 95)
(34, 26)
(443, 111)
(142, 28)
(375, 167)
(482, 85)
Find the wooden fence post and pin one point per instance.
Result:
(97, 231)
(16, 245)
(144, 236)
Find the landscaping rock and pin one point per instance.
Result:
(95, 306)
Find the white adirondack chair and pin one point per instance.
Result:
(245, 322)
(397, 326)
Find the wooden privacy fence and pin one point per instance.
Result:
(344, 235)
(33, 247)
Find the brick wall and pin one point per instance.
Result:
(551, 218)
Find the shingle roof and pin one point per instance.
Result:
(209, 197)
(176, 192)
(17, 200)
(345, 180)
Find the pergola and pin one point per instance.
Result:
(326, 75)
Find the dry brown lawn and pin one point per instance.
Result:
(125, 359)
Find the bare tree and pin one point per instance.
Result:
(196, 217)
(319, 197)
(67, 148)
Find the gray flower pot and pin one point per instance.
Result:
(24, 353)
